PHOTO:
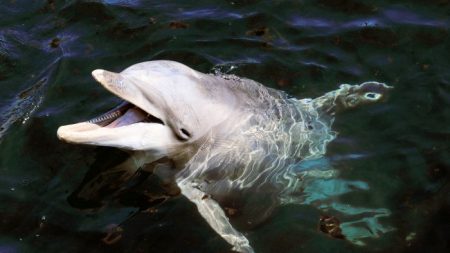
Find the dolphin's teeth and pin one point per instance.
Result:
(105, 117)
(112, 115)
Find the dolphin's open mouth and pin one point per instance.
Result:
(127, 117)
(136, 124)
(124, 114)
(120, 122)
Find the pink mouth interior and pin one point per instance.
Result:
(123, 115)
(131, 116)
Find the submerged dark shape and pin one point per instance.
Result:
(222, 139)
(331, 225)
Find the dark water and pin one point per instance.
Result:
(400, 149)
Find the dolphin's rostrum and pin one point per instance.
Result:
(223, 136)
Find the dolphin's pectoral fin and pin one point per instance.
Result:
(215, 216)
(104, 184)
(165, 170)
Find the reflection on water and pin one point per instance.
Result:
(322, 188)
(391, 159)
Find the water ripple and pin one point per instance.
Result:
(211, 13)
(385, 18)
(404, 16)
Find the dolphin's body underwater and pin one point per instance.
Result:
(217, 137)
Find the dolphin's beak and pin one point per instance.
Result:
(126, 125)
(116, 128)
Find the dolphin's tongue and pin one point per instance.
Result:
(123, 115)
(132, 116)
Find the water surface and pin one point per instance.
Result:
(397, 152)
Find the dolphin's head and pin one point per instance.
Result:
(166, 105)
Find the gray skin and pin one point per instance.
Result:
(217, 139)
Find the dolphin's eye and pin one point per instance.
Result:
(185, 134)
(372, 96)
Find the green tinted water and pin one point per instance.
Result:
(399, 149)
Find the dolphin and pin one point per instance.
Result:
(215, 137)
